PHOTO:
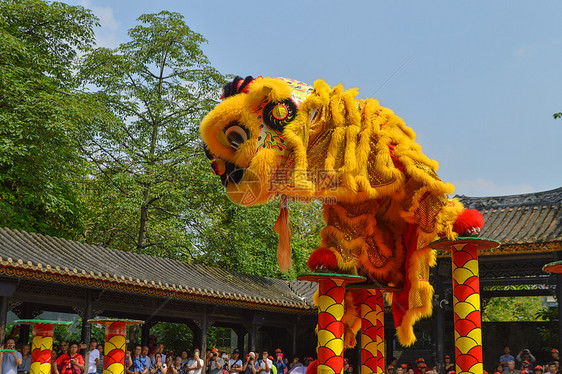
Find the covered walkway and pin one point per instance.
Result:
(40, 273)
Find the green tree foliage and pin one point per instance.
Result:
(153, 190)
(549, 335)
(158, 85)
(105, 148)
(40, 165)
(506, 309)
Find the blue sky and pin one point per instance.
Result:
(477, 80)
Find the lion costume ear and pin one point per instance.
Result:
(238, 85)
(267, 90)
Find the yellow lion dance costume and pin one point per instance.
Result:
(383, 201)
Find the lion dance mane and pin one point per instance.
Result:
(383, 202)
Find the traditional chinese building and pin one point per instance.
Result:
(40, 273)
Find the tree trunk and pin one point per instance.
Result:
(143, 226)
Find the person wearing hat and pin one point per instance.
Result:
(250, 364)
(419, 362)
(280, 362)
(235, 363)
(527, 366)
(214, 362)
(390, 369)
(538, 369)
(449, 365)
(555, 357)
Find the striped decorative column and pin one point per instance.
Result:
(372, 325)
(115, 343)
(372, 331)
(466, 301)
(42, 344)
(330, 348)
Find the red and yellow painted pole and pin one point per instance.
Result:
(331, 309)
(372, 326)
(466, 300)
(42, 344)
(115, 343)
(372, 331)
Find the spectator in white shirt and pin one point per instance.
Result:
(195, 364)
(94, 357)
(264, 364)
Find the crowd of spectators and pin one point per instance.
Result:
(74, 358)
(526, 363)
(71, 357)
(523, 363)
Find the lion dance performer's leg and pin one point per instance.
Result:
(353, 238)
(372, 332)
(41, 348)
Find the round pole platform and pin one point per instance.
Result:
(115, 343)
(42, 343)
(553, 267)
(331, 287)
(466, 300)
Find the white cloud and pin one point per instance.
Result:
(107, 33)
(524, 51)
(485, 187)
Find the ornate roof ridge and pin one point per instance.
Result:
(47, 254)
(543, 198)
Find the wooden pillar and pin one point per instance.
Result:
(7, 289)
(559, 299)
(204, 328)
(3, 317)
(197, 336)
(439, 315)
(240, 333)
(252, 334)
(24, 329)
(145, 332)
(87, 315)
(294, 345)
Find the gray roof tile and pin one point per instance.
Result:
(82, 260)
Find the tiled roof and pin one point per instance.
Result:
(40, 253)
(520, 219)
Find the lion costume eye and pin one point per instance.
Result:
(278, 114)
(236, 135)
